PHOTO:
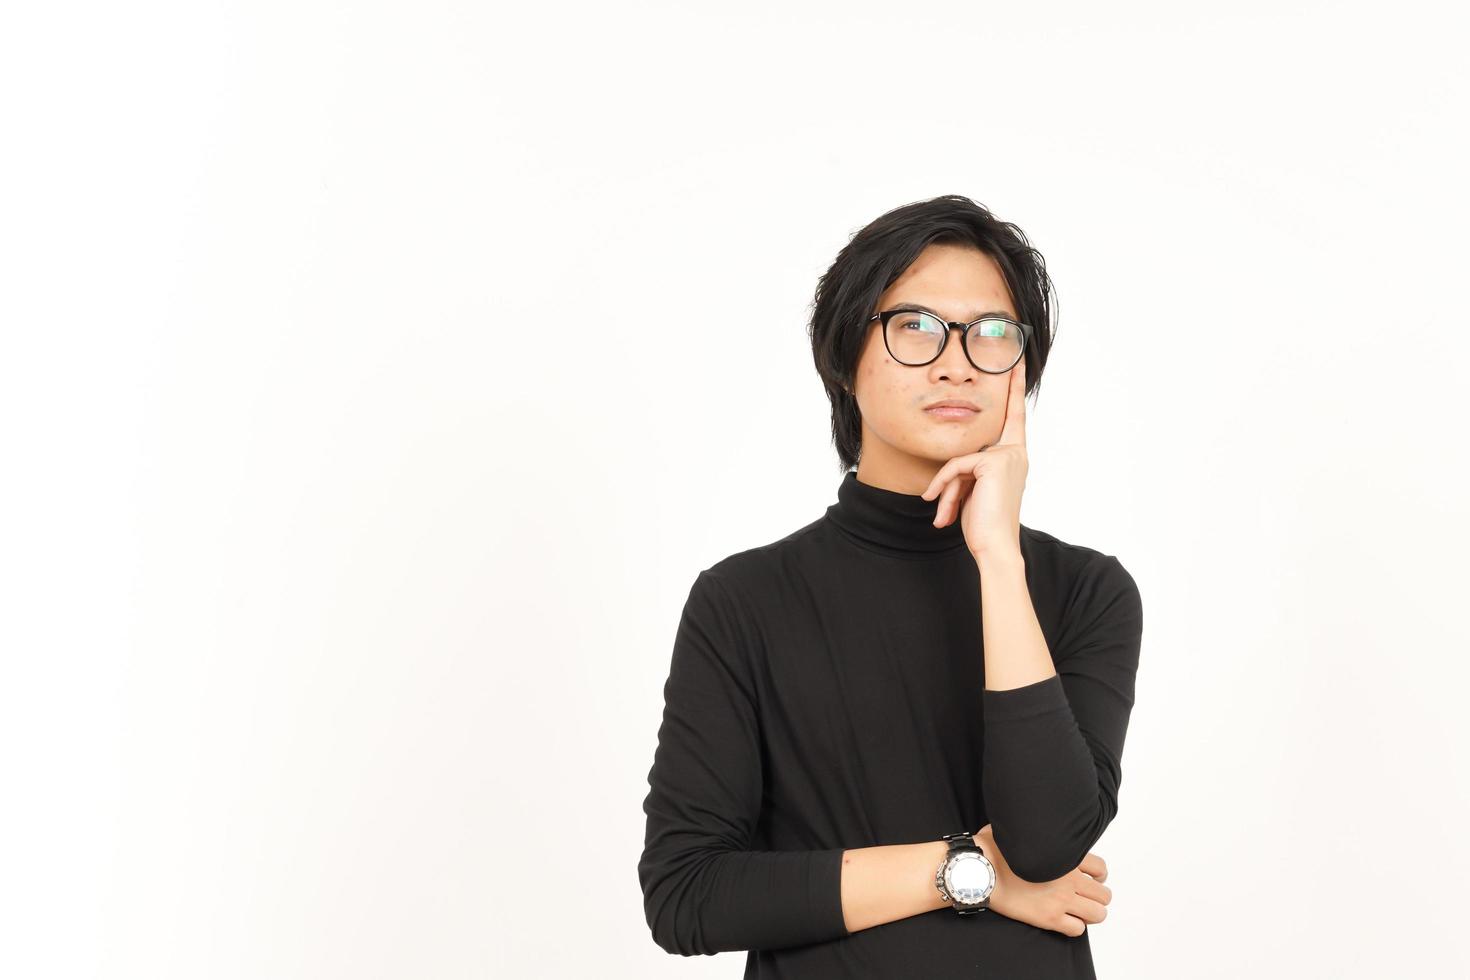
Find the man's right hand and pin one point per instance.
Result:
(1065, 905)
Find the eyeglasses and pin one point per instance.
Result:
(993, 344)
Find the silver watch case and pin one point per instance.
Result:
(965, 878)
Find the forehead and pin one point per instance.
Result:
(956, 281)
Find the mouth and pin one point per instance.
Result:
(952, 409)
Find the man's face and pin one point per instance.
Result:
(960, 283)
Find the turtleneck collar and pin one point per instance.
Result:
(899, 524)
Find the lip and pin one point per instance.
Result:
(952, 408)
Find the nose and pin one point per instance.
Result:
(952, 364)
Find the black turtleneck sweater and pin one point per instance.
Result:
(826, 692)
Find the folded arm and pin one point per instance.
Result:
(705, 891)
(1054, 746)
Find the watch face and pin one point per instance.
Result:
(969, 878)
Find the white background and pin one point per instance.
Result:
(346, 530)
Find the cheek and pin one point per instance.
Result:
(891, 404)
(889, 388)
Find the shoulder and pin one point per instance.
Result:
(1084, 577)
(745, 571)
(1053, 552)
(1049, 547)
(728, 599)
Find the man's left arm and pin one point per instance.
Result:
(1055, 725)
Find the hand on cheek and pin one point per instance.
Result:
(983, 489)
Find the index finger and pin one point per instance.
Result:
(1014, 429)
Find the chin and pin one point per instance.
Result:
(959, 442)
(942, 451)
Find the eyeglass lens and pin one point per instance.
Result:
(915, 338)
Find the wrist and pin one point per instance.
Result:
(938, 851)
(999, 559)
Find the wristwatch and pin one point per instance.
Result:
(965, 877)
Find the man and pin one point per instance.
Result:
(891, 737)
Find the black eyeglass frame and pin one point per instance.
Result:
(886, 315)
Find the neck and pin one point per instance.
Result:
(905, 474)
(893, 521)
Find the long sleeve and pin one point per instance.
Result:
(1053, 749)
(704, 890)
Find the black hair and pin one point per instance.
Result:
(877, 255)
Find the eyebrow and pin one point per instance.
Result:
(977, 316)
